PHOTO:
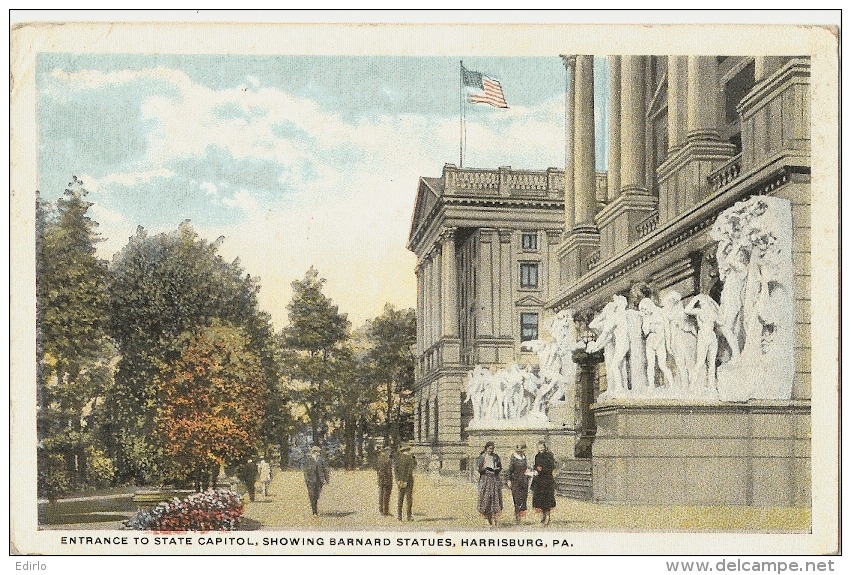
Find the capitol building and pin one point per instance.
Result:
(703, 210)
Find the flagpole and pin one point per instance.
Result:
(461, 114)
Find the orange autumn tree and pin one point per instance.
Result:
(210, 404)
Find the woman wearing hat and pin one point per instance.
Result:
(518, 481)
(490, 488)
(544, 485)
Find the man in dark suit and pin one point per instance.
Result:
(315, 476)
(385, 481)
(405, 465)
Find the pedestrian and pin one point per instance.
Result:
(490, 487)
(405, 465)
(543, 483)
(518, 481)
(248, 475)
(315, 476)
(264, 473)
(385, 481)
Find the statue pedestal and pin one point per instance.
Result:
(670, 453)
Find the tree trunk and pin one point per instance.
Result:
(285, 451)
(350, 443)
(388, 424)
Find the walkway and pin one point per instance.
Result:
(350, 502)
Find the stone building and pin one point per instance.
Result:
(486, 243)
(689, 136)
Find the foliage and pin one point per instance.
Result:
(213, 510)
(101, 468)
(314, 351)
(211, 402)
(53, 478)
(72, 352)
(161, 288)
(392, 337)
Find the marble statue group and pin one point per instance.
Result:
(735, 349)
(522, 394)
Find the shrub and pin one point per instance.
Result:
(53, 480)
(213, 510)
(101, 468)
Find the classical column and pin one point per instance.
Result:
(486, 273)
(569, 103)
(702, 99)
(585, 176)
(506, 278)
(614, 176)
(677, 98)
(633, 109)
(449, 283)
(435, 302)
(420, 318)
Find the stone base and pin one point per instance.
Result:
(668, 453)
(560, 440)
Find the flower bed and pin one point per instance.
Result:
(213, 510)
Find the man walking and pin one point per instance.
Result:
(264, 472)
(405, 465)
(315, 476)
(385, 481)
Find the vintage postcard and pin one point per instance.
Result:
(409, 289)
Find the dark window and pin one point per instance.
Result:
(528, 275)
(735, 90)
(530, 241)
(528, 326)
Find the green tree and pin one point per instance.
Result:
(392, 337)
(211, 403)
(73, 353)
(162, 287)
(314, 349)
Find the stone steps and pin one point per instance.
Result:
(574, 480)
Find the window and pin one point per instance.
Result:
(530, 241)
(528, 326)
(528, 275)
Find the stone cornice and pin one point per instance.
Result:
(795, 71)
(663, 239)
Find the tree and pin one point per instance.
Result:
(314, 343)
(160, 288)
(72, 352)
(211, 403)
(392, 336)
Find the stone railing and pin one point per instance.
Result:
(725, 174)
(527, 182)
(476, 180)
(504, 181)
(648, 224)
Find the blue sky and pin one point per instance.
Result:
(297, 161)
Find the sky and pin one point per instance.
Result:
(297, 161)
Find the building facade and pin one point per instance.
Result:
(689, 137)
(486, 243)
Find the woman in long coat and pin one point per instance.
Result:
(544, 485)
(518, 467)
(490, 487)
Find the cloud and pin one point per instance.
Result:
(291, 185)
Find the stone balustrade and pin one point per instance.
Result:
(726, 174)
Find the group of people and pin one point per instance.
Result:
(403, 468)
(251, 474)
(520, 472)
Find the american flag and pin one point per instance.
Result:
(483, 90)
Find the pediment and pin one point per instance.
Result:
(529, 301)
(427, 197)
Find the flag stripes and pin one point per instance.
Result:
(492, 94)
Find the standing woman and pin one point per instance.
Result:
(518, 468)
(544, 485)
(490, 488)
